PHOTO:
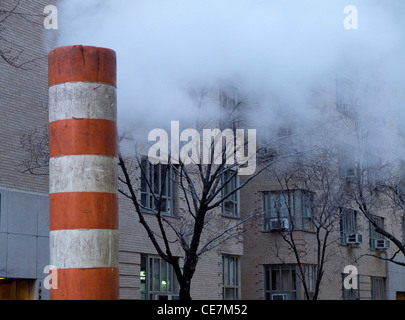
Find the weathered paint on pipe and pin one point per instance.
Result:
(82, 100)
(83, 173)
(84, 248)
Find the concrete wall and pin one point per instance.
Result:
(24, 235)
(396, 279)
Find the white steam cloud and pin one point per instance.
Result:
(277, 51)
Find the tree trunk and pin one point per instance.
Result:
(190, 264)
(185, 291)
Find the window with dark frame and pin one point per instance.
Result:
(348, 225)
(230, 206)
(310, 279)
(377, 240)
(280, 282)
(345, 96)
(157, 185)
(157, 279)
(284, 208)
(230, 277)
(377, 288)
(347, 162)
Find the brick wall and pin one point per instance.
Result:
(23, 90)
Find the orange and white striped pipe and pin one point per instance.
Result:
(83, 173)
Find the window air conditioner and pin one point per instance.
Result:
(279, 224)
(354, 238)
(381, 244)
(279, 296)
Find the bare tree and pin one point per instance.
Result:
(312, 184)
(382, 195)
(10, 51)
(206, 189)
(376, 185)
(35, 144)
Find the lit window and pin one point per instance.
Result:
(157, 279)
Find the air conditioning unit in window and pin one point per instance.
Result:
(354, 239)
(381, 244)
(279, 296)
(279, 224)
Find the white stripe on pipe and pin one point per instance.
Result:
(83, 173)
(87, 248)
(82, 100)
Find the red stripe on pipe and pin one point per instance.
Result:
(85, 284)
(82, 63)
(83, 210)
(83, 136)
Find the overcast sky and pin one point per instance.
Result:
(270, 48)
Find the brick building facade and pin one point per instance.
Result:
(24, 222)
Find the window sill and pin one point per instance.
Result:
(224, 215)
(162, 214)
(351, 246)
(288, 230)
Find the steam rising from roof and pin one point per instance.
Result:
(277, 53)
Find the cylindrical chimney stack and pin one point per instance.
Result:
(83, 173)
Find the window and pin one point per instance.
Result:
(306, 207)
(377, 288)
(374, 171)
(377, 240)
(400, 295)
(347, 163)
(230, 206)
(157, 279)
(284, 132)
(352, 293)
(280, 282)
(230, 278)
(310, 279)
(348, 226)
(157, 183)
(284, 210)
(344, 96)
